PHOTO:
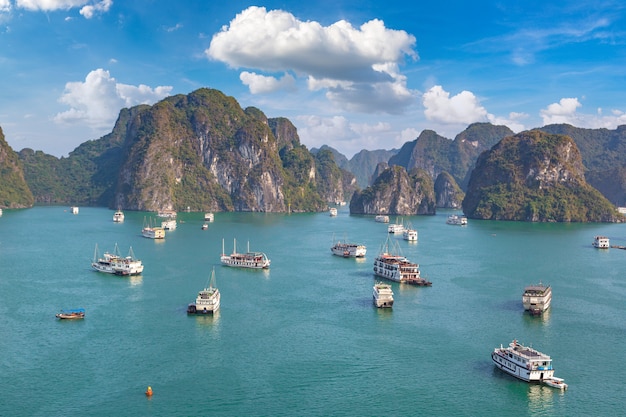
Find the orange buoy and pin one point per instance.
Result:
(149, 392)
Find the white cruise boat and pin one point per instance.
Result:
(537, 298)
(348, 250)
(601, 242)
(525, 363)
(209, 217)
(74, 209)
(409, 233)
(395, 228)
(332, 211)
(114, 263)
(382, 295)
(396, 267)
(0, 212)
(168, 214)
(208, 300)
(457, 220)
(118, 216)
(381, 218)
(169, 224)
(254, 260)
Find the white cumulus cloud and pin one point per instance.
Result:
(463, 108)
(265, 84)
(566, 111)
(352, 62)
(5, 6)
(97, 101)
(90, 10)
(562, 112)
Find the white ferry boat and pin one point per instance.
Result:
(601, 242)
(381, 218)
(169, 214)
(382, 295)
(348, 250)
(118, 216)
(525, 363)
(209, 217)
(114, 263)
(207, 301)
(332, 211)
(537, 298)
(409, 233)
(455, 219)
(0, 212)
(169, 224)
(74, 210)
(255, 260)
(395, 228)
(396, 267)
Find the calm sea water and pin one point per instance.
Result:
(303, 338)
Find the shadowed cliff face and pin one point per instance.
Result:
(397, 193)
(14, 192)
(534, 176)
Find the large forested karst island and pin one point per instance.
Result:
(203, 152)
(535, 176)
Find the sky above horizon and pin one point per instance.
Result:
(349, 74)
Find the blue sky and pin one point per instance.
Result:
(350, 74)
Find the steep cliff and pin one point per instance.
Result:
(534, 176)
(448, 194)
(397, 193)
(14, 192)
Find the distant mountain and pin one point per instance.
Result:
(362, 165)
(14, 191)
(436, 154)
(535, 176)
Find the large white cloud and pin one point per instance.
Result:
(97, 101)
(263, 84)
(566, 111)
(353, 61)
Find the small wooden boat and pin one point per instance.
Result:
(77, 313)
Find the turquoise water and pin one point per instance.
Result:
(303, 338)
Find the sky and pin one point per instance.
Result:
(349, 74)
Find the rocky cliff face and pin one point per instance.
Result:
(534, 176)
(395, 192)
(447, 191)
(14, 192)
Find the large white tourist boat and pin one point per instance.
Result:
(601, 242)
(348, 250)
(332, 211)
(168, 214)
(381, 218)
(74, 209)
(118, 216)
(114, 263)
(255, 260)
(396, 267)
(457, 220)
(382, 295)
(537, 298)
(209, 217)
(395, 228)
(169, 224)
(409, 233)
(526, 363)
(208, 300)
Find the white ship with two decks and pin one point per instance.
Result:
(526, 363)
(348, 250)
(382, 295)
(208, 300)
(254, 260)
(114, 263)
(537, 298)
(396, 267)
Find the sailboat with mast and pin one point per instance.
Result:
(208, 300)
(254, 260)
(114, 263)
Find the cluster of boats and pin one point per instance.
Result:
(114, 263)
